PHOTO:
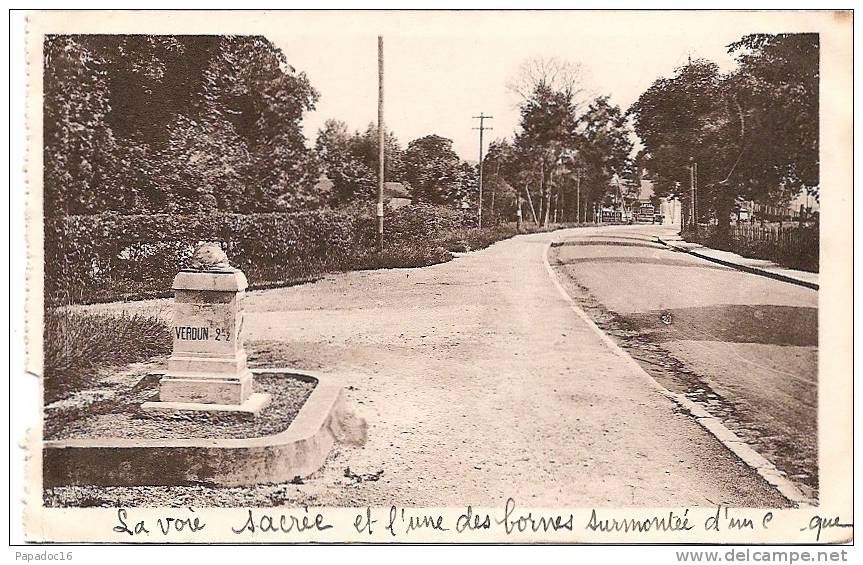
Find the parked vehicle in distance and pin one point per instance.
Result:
(645, 213)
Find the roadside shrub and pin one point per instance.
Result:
(421, 221)
(108, 257)
(75, 343)
(402, 255)
(471, 239)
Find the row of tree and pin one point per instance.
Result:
(753, 132)
(184, 124)
(428, 167)
(568, 148)
(142, 124)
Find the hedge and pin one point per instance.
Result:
(107, 257)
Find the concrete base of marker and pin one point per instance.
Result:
(206, 390)
(251, 407)
(323, 421)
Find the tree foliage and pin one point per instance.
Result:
(547, 126)
(567, 149)
(680, 119)
(776, 88)
(435, 173)
(352, 178)
(602, 148)
(350, 161)
(500, 186)
(137, 124)
(548, 73)
(79, 145)
(753, 132)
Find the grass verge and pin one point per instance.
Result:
(77, 344)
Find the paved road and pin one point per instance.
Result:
(479, 382)
(743, 345)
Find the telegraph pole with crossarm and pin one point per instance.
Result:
(482, 117)
(381, 144)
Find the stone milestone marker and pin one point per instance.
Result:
(207, 369)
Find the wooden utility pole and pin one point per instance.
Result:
(381, 142)
(482, 118)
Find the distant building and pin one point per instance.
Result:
(396, 195)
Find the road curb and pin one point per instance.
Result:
(739, 267)
(734, 443)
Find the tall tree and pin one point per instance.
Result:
(141, 123)
(153, 79)
(547, 124)
(551, 73)
(352, 178)
(775, 91)
(602, 150)
(500, 197)
(216, 167)
(79, 144)
(682, 120)
(434, 171)
(350, 161)
(252, 84)
(752, 133)
(364, 147)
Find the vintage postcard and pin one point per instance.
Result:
(440, 276)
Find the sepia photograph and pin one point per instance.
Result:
(440, 276)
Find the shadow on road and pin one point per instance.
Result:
(606, 243)
(613, 259)
(738, 323)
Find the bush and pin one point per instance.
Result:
(402, 255)
(76, 343)
(471, 239)
(422, 222)
(108, 257)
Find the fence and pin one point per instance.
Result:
(796, 247)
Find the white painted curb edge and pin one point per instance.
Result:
(765, 469)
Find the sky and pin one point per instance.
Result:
(443, 68)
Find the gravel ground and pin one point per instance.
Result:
(119, 415)
(478, 383)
